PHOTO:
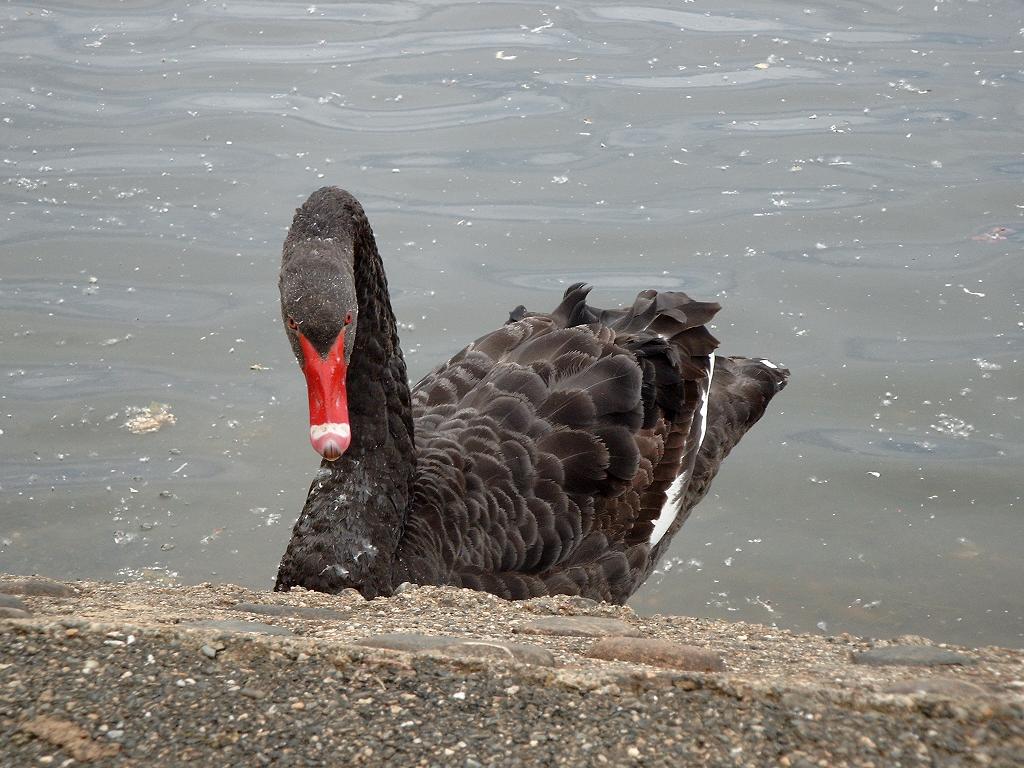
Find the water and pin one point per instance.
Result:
(844, 177)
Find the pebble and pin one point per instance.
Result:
(499, 651)
(10, 601)
(910, 655)
(407, 641)
(660, 653)
(938, 686)
(296, 611)
(69, 736)
(579, 626)
(229, 625)
(14, 613)
(208, 651)
(461, 648)
(561, 604)
(36, 586)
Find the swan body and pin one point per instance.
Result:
(558, 454)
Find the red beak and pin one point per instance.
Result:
(329, 430)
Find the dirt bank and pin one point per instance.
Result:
(125, 674)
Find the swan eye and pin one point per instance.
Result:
(290, 322)
(348, 318)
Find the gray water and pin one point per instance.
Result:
(845, 178)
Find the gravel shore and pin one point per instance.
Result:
(142, 674)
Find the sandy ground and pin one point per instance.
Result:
(125, 674)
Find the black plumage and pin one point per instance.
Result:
(557, 454)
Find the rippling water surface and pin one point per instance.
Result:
(844, 177)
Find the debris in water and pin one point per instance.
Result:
(967, 550)
(213, 536)
(993, 235)
(143, 420)
(258, 367)
(115, 340)
(952, 425)
(501, 56)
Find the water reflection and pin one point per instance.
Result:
(844, 179)
(74, 473)
(925, 350)
(916, 447)
(623, 283)
(114, 301)
(60, 382)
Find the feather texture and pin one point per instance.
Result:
(593, 414)
(557, 454)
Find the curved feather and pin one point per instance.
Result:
(572, 426)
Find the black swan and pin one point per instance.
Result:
(556, 455)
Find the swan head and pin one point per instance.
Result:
(320, 313)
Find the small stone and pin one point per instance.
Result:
(938, 686)
(296, 611)
(579, 626)
(208, 651)
(460, 648)
(407, 641)
(37, 586)
(584, 603)
(910, 655)
(252, 693)
(499, 651)
(298, 706)
(560, 605)
(239, 626)
(10, 601)
(905, 640)
(115, 734)
(69, 736)
(661, 653)
(14, 613)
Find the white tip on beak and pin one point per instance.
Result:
(330, 440)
